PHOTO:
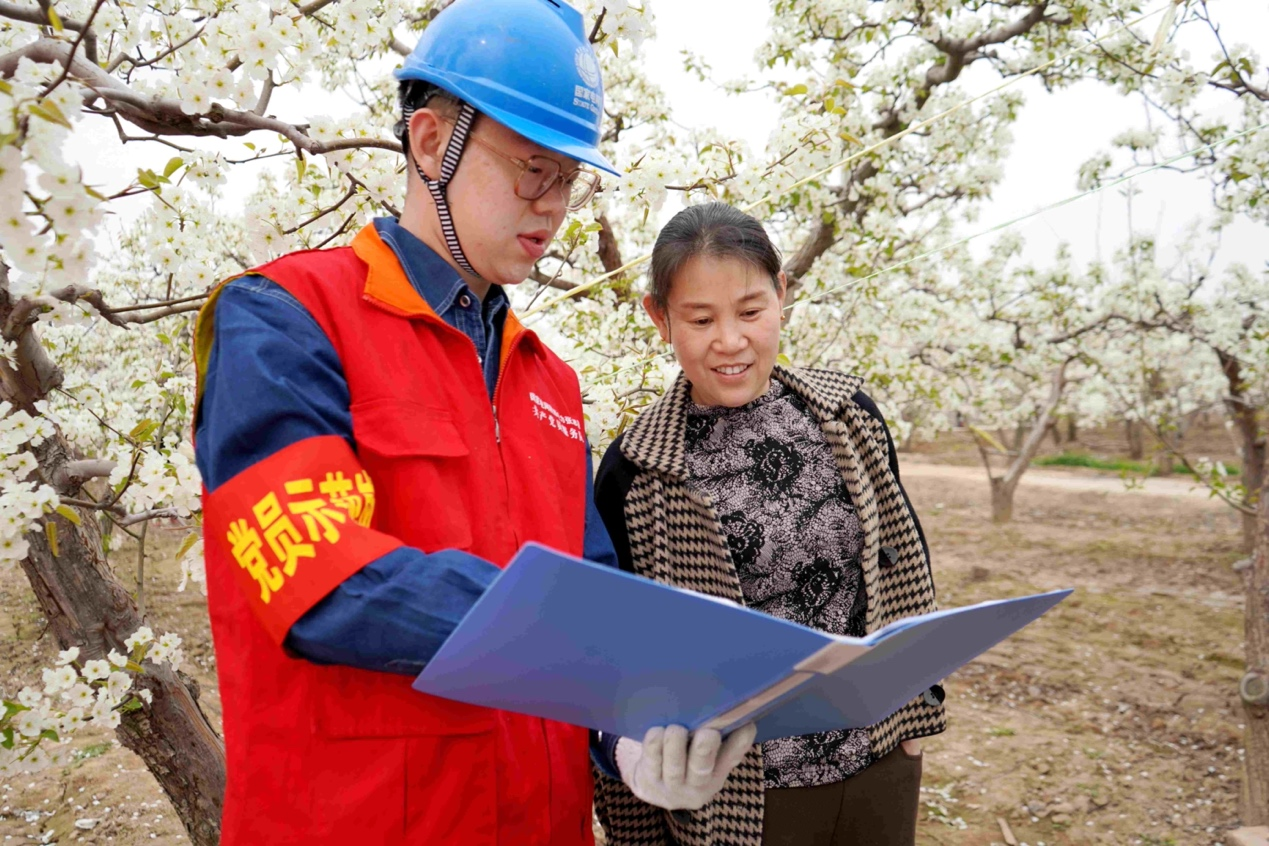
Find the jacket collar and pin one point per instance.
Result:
(388, 288)
(656, 440)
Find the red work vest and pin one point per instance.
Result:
(338, 755)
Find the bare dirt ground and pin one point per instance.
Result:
(1114, 719)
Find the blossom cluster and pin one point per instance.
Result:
(77, 693)
(22, 500)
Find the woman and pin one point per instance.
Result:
(778, 488)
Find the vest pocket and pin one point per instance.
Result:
(451, 793)
(351, 703)
(401, 429)
(422, 471)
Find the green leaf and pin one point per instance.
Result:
(11, 708)
(300, 167)
(5, 87)
(49, 111)
(94, 193)
(248, 145)
(783, 360)
(7, 743)
(147, 178)
(147, 432)
(48, 734)
(55, 20)
(989, 439)
(133, 704)
(70, 514)
(50, 531)
(187, 544)
(173, 165)
(796, 90)
(140, 428)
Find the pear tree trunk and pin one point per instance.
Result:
(1254, 688)
(88, 607)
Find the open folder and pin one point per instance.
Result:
(562, 638)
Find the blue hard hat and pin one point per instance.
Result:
(525, 63)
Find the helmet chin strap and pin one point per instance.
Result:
(439, 187)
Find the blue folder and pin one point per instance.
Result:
(565, 639)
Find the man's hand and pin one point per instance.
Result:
(672, 771)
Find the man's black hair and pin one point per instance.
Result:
(412, 95)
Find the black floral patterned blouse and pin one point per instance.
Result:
(795, 540)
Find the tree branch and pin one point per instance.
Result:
(153, 514)
(1036, 436)
(822, 237)
(71, 476)
(164, 116)
(266, 92)
(609, 250)
(138, 319)
(26, 14)
(551, 281)
(352, 191)
(86, 32)
(196, 298)
(34, 374)
(315, 6)
(598, 27)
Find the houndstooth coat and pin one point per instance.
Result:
(665, 531)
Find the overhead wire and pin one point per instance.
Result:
(888, 140)
(1127, 177)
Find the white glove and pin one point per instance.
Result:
(664, 771)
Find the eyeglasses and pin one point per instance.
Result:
(538, 175)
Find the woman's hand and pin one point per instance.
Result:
(673, 771)
(911, 748)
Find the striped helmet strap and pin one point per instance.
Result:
(437, 187)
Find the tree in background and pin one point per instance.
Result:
(1226, 317)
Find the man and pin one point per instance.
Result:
(378, 435)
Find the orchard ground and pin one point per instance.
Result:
(1114, 719)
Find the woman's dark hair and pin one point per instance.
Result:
(716, 230)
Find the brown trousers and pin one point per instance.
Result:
(877, 807)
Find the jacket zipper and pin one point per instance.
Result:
(502, 370)
(515, 342)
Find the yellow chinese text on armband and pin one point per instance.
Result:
(293, 527)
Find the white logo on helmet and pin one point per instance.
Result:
(587, 67)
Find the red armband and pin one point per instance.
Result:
(294, 526)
